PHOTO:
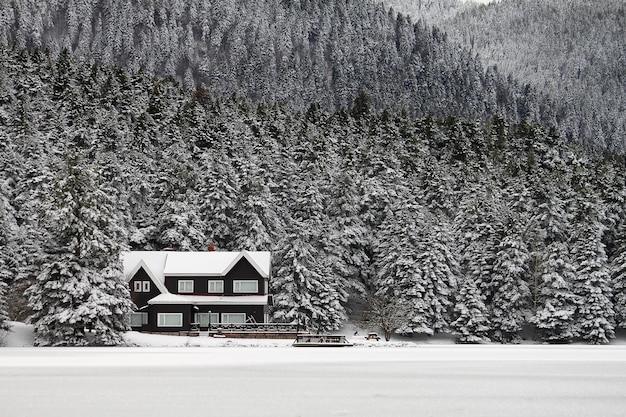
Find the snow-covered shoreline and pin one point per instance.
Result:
(21, 336)
(132, 357)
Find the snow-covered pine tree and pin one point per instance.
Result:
(349, 239)
(7, 229)
(306, 288)
(476, 236)
(4, 316)
(595, 317)
(179, 226)
(472, 318)
(511, 293)
(79, 297)
(218, 193)
(303, 291)
(254, 218)
(414, 263)
(556, 303)
(618, 270)
(554, 270)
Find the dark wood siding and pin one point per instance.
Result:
(200, 284)
(256, 312)
(153, 323)
(243, 271)
(141, 298)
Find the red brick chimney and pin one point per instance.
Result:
(211, 247)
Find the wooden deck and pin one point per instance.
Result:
(256, 330)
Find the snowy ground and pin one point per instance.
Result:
(274, 379)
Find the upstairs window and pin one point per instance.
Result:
(216, 286)
(141, 286)
(185, 286)
(245, 286)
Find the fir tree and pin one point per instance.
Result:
(8, 229)
(4, 317)
(618, 268)
(349, 239)
(472, 319)
(179, 227)
(475, 227)
(595, 315)
(308, 288)
(218, 195)
(556, 301)
(303, 291)
(415, 264)
(80, 298)
(511, 293)
(254, 217)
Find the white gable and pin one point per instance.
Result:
(152, 262)
(259, 261)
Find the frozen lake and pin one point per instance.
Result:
(284, 381)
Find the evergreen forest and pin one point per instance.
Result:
(455, 194)
(571, 50)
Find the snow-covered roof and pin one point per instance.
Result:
(209, 300)
(152, 262)
(213, 263)
(158, 264)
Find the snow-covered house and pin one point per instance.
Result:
(174, 291)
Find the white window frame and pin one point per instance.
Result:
(213, 283)
(203, 319)
(162, 319)
(227, 318)
(239, 282)
(182, 284)
(141, 286)
(140, 318)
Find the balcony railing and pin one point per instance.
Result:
(254, 327)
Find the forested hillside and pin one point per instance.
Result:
(572, 50)
(476, 227)
(291, 52)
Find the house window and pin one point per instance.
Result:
(216, 286)
(246, 286)
(170, 319)
(233, 317)
(141, 286)
(203, 319)
(185, 286)
(138, 319)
